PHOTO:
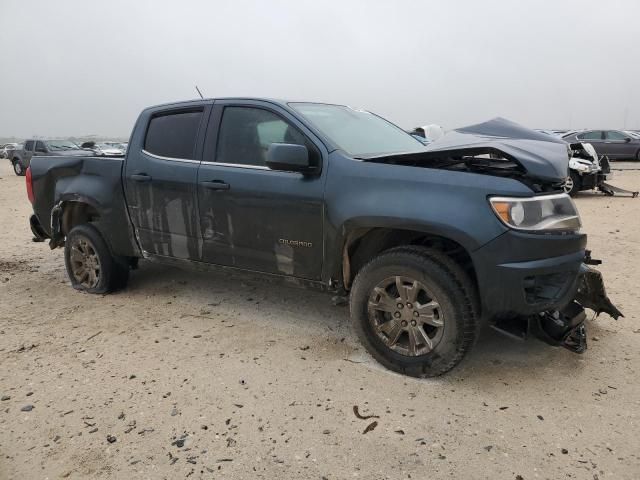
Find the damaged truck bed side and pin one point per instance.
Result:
(429, 242)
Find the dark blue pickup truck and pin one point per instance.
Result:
(429, 242)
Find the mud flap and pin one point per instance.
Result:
(566, 327)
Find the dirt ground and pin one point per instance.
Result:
(216, 376)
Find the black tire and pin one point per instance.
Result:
(638, 156)
(18, 168)
(85, 250)
(448, 286)
(575, 184)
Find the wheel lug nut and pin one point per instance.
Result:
(413, 323)
(397, 314)
(409, 305)
(403, 323)
(416, 314)
(400, 305)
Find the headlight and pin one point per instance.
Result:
(540, 214)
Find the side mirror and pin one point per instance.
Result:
(627, 139)
(289, 157)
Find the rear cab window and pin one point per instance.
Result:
(28, 146)
(173, 134)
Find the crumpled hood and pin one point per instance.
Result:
(541, 155)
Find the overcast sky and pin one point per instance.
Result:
(88, 67)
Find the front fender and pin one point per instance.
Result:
(448, 204)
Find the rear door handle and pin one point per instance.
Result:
(216, 185)
(140, 177)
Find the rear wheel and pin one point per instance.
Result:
(414, 313)
(18, 168)
(90, 265)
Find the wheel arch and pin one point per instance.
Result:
(363, 243)
(72, 210)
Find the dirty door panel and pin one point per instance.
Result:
(160, 182)
(252, 217)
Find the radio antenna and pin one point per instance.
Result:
(199, 92)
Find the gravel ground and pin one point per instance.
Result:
(215, 376)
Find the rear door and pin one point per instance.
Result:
(252, 217)
(619, 144)
(160, 182)
(40, 149)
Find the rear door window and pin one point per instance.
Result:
(28, 146)
(592, 135)
(40, 147)
(173, 134)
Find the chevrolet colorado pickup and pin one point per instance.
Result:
(429, 242)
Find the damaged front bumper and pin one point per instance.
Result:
(566, 327)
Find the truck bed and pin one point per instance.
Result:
(96, 181)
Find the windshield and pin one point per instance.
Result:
(62, 145)
(357, 132)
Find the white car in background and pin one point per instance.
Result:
(104, 149)
(7, 148)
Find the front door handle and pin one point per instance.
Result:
(216, 185)
(140, 177)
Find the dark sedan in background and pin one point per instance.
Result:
(615, 144)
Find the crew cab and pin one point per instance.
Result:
(21, 159)
(429, 242)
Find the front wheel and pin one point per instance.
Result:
(414, 311)
(572, 184)
(90, 265)
(18, 168)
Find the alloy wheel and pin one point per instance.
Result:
(405, 316)
(85, 263)
(568, 185)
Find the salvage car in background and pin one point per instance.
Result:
(21, 159)
(104, 149)
(614, 144)
(430, 242)
(586, 170)
(7, 149)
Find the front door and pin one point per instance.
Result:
(619, 144)
(252, 217)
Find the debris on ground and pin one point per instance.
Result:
(370, 427)
(362, 417)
